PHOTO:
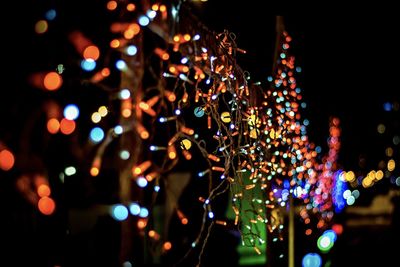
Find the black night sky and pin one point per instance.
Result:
(350, 65)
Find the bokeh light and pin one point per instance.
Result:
(41, 26)
(71, 112)
(311, 260)
(119, 212)
(96, 134)
(67, 126)
(53, 126)
(52, 81)
(46, 205)
(6, 160)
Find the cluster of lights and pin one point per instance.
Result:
(261, 150)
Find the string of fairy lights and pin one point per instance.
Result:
(184, 98)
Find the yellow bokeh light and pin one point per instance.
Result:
(381, 128)
(103, 111)
(389, 152)
(41, 26)
(96, 117)
(379, 175)
(350, 177)
(391, 165)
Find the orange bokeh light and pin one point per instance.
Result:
(94, 171)
(91, 52)
(44, 190)
(112, 5)
(131, 7)
(53, 126)
(167, 245)
(52, 81)
(46, 205)
(6, 160)
(67, 126)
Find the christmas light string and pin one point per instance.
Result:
(187, 99)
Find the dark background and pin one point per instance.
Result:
(350, 69)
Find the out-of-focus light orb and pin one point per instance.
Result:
(124, 94)
(46, 205)
(298, 69)
(67, 126)
(118, 129)
(324, 243)
(210, 214)
(141, 182)
(6, 160)
(51, 14)
(88, 64)
(131, 50)
(157, 188)
(398, 181)
(127, 264)
(71, 112)
(43, 190)
(311, 260)
(103, 111)
(381, 128)
(119, 212)
(53, 126)
(355, 194)
(387, 106)
(134, 208)
(338, 228)
(144, 21)
(389, 152)
(143, 212)
(91, 52)
(350, 200)
(130, 7)
(96, 134)
(396, 140)
(151, 14)
(96, 117)
(70, 171)
(112, 5)
(391, 165)
(331, 234)
(346, 194)
(121, 65)
(52, 81)
(41, 26)
(124, 154)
